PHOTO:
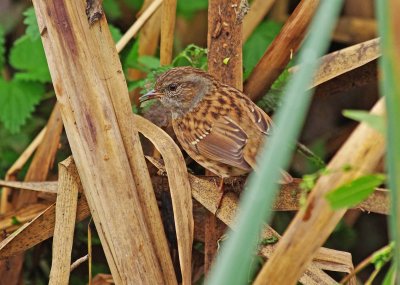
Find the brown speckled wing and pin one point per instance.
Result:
(224, 141)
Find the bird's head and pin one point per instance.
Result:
(180, 89)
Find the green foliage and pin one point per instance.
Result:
(134, 4)
(390, 276)
(112, 9)
(32, 27)
(192, 55)
(187, 9)
(17, 101)
(374, 121)
(354, 192)
(115, 33)
(2, 47)
(28, 56)
(257, 44)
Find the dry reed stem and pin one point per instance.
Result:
(38, 170)
(39, 228)
(224, 42)
(279, 11)
(343, 61)
(281, 50)
(258, 10)
(66, 206)
(138, 25)
(206, 193)
(315, 222)
(180, 191)
(45, 186)
(168, 16)
(352, 30)
(99, 136)
(78, 262)
(11, 173)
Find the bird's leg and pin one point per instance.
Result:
(221, 190)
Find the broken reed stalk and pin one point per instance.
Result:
(342, 61)
(316, 221)
(280, 52)
(67, 200)
(168, 16)
(104, 143)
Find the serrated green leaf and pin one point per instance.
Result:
(32, 28)
(257, 44)
(17, 101)
(374, 121)
(354, 192)
(2, 47)
(112, 9)
(115, 33)
(28, 56)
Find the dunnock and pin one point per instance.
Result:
(216, 124)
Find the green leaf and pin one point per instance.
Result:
(2, 47)
(131, 58)
(32, 29)
(135, 4)
(28, 56)
(187, 9)
(115, 33)
(354, 192)
(192, 55)
(374, 121)
(17, 101)
(112, 9)
(257, 44)
(390, 276)
(149, 61)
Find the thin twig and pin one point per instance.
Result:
(78, 262)
(137, 25)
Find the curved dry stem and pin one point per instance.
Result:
(180, 190)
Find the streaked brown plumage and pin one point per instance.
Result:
(216, 124)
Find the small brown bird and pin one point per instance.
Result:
(216, 124)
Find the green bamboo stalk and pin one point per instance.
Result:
(233, 264)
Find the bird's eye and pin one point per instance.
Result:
(172, 87)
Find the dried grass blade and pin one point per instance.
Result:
(180, 190)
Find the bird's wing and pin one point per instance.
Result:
(257, 115)
(224, 141)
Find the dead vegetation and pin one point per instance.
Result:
(107, 175)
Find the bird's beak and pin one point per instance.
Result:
(150, 95)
